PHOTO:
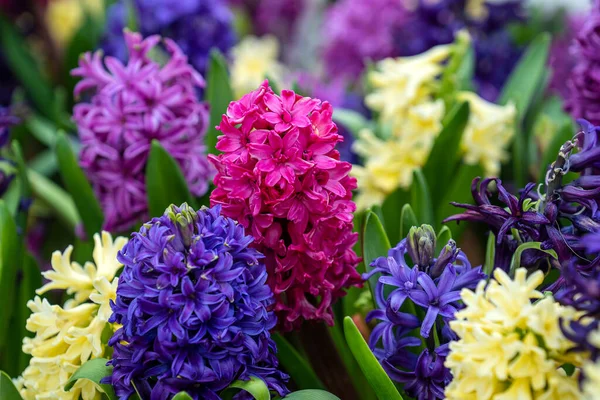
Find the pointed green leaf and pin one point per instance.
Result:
(407, 220)
(527, 76)
(54, 197)
(295, 365)
(8, 391)
(443, 237)
(165, 184)
(392, 209)
(379, 380)
(10, 263)
(375, 243)
(218, 95)
(94, 370)
(444, 157)
(421, 199)
(79, 187)
(459, 191)
(311, 394)
(255, 386)
(490, 254)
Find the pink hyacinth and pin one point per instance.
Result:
(280, 176)
(130, 106)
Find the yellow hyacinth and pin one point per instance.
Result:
(510, 343)
(391, 163)
(488, 133)
(65, 17)
(253, 60)
(68, 336)
(399, 84)
(591, 384)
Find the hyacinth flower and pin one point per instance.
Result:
(432, 285)
(131, 105)
(67, 336)
(582, 98)
(557, 217)
(280, 177)
(194, 309)
(510, 345)
(196, 26)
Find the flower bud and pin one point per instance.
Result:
(421, 245)
(447, 255)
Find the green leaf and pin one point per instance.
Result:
(295, 365)
(351, 120)
(182, 396)
(421, 199)
(459, 191)
(30, 281)
(56, 198)
(218, 95)
(8, 391)
(526, 77)
(165, 183)
(10, 263)
(444, 157)
(490, 254)
(515, 262)
(94, 370)
(391, 210)
(379, 380)
(443, 237)
(42, 129)
(449, 82)
(311, 394)
(132, 17)
(77, 184)
(407, 220)
(25, 68)
(375, 244)
(44, 163)
(255, 386)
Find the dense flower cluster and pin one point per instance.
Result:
(253, 60)
(583, 94)
(194, 308)
(195, 25)
(358, 31)
(431, 284)
(558, 218)
(131, 106)
(510, 347)
(281, 178)
(68, 336)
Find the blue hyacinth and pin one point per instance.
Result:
(195, 309)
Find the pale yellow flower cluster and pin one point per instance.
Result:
(65, 17)
(402, 95)
(488, 133)
(509, 347)
(253, 60)
(66, 337)
(591, 384)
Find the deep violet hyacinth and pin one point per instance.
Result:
(131, 105)
(280, 176)
(583, 87)
(432, 284)
(194, 307)
(562, 216)
(195, 25)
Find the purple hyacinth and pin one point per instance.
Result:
(360, 30)
(561, 216)
(132, 105)
(195, 309)
(583, 87)
(433, 286)
(195, 25)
